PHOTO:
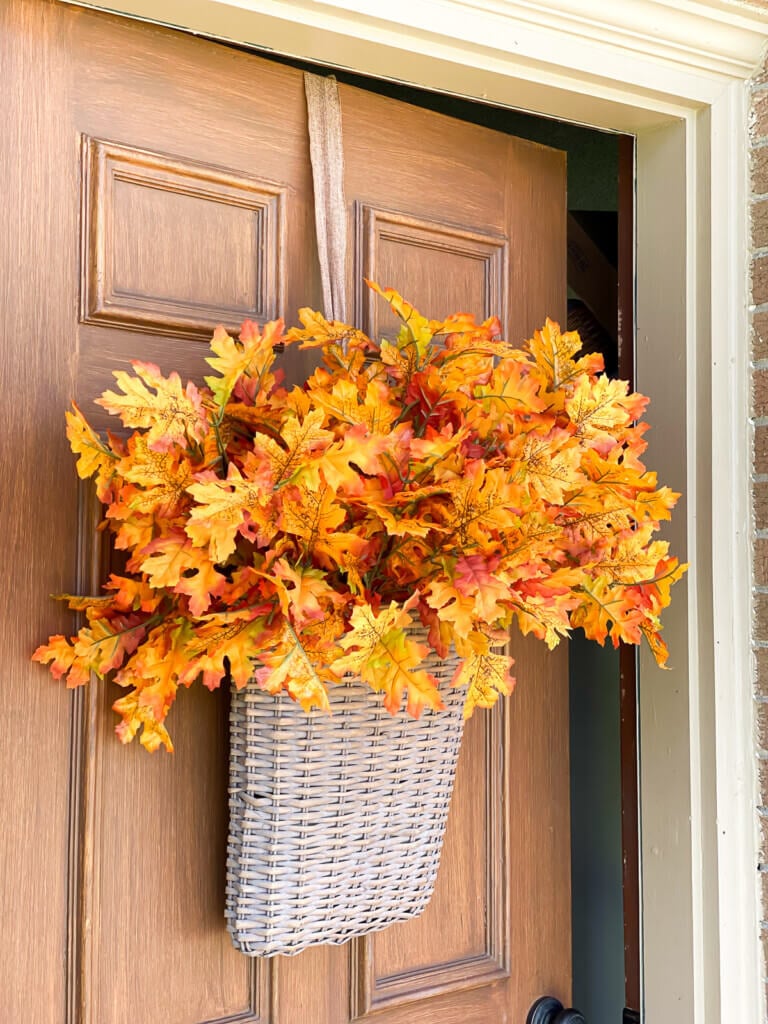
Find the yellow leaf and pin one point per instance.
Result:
(223, 509)
(554, 352)
(289, 667)
(134, 718)
(251, 358)
(300, 438)
(418, 330)
(321, 332)
(94, 457)
(380, 652)
(309, 513)
(486, 675)
(171, 414)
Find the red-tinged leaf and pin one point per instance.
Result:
(658, 647)
(304, 594)
(136, 718)
(201, 585)
(479, 577)
(165, 560)
(59, 654)
(104, 644)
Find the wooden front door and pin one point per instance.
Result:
(155, 185)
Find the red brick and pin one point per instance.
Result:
(759, 170)
(760, 280)
(761, 449)
(761, 632)
(761, 673)
(759, 215)
(762, 852)
(759, 116)
(760, 552)
(760, 336)
(760, 505)
(760, 393)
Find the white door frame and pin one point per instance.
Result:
(671, 72)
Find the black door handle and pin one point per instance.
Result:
(549, 1010)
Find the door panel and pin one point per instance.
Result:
(176, 247)
(165, 187)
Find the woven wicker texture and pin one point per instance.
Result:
(336, 821)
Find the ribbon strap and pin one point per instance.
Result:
(326, 150)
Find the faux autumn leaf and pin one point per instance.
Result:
(345, 403)
(95, 459)
(607, 610)
(554, 352)
(343, 464)
(289, 667)
(303, 593)
(550, 466)
(103, 645)
(417, 329)
(165, 560)
(298, 439)
(60, 655)
(135, 719)
(597, 409)
(484, 500)
(294, 535)
(171, 414)
(319, 332)
(201, 584)
(309, 513)
(383, 655)
(159, 479)
(452, 606)
(224, 645)
(245, 362)
(224, 508)
(486, 675)
(479, 576)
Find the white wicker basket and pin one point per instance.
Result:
(336, 821)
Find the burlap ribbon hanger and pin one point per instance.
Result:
(326, 150)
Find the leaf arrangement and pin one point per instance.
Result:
(293, 535)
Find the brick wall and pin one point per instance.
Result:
(758, 240)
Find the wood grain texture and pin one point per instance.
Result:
(175, 247)
(197, 184)
(113, 865)
(38, 505)
(430, 258)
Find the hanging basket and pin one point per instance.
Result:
(336, 821)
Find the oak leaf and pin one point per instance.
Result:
(170, 413)
(383, 655)
(94, 458)
(486, 674)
